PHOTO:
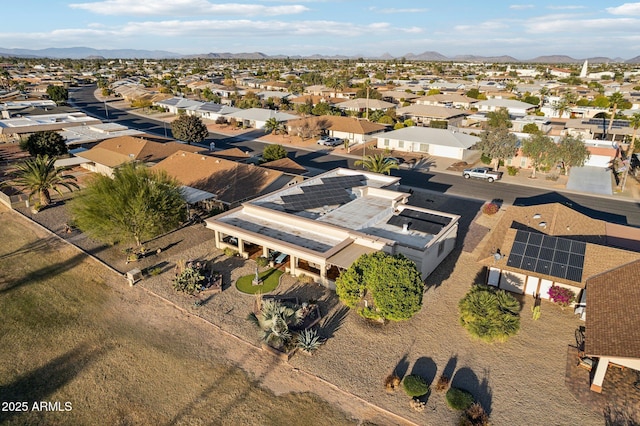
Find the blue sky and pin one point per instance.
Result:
(331, 27)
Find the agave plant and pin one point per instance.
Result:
(308, 340)
(274, 319)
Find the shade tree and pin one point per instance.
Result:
(390, 287)
(134, 205)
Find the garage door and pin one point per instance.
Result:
(532, 286)
(545, 285)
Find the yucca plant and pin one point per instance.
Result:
(274, 319)
(308, 340)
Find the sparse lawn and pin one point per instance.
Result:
(116, 354)
(270, 281)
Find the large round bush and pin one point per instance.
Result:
(415, 386)
(459, 399)
(489, 314)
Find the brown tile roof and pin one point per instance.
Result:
(105, 157)
(285, 165)
(343, 124)
(613, 313)
(234, 154)
(139, 149)
(231, 181)
(561, 221)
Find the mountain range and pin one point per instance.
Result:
(430, 56)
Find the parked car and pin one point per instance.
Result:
(486, 173)
(329, 141)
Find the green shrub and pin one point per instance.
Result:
(262, 261)
(485, 159)
(512, 170)
(189, 281)
(369, 313)
(459, 399)
(489, 314)
(156, 270)
(228, 251)
(415, 386)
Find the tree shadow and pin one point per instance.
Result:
(467, 209)
(555, 197)
(402, 366)
(618, 416)
(466, 379)
(39, 244)
(426, 368)
(450, 368)
(31, 277)
(333, 322)
(41, 383)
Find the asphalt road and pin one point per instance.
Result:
(608, 209)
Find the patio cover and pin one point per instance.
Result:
(345, 257)
(193, 195)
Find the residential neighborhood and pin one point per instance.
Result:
(201, 190)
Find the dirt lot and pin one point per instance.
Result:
(73, 333)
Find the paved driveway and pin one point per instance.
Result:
(590, 179)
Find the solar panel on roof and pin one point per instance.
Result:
(415, 224)
(515, 261)
(578, 247)
(545, 254)
(535, 239)
(518, 248)
(522, 237)
(428, 217)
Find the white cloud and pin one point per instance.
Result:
(398, 10)
(521, 6)
(569, 23)
(486, 26)
(625, 9)
(567, 7)
(184, 8)
(253, 29)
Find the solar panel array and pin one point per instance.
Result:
(333, 191)
(544, 254)
(211, 107)
(605, 122)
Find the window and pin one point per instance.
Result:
(386, 142)
(440, 248)
(424, 147)
(509, 161)
(400, 144)
(523, 162)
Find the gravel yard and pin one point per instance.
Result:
(518, 382)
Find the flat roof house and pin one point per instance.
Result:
(326, 222)
(436, 142)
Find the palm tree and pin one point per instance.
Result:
(377, 163)
(616, 99)
(272, 126)
(40, 175)
(634, 122)
(561, 107)
(488, 314)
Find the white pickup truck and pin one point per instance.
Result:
(486, 173)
